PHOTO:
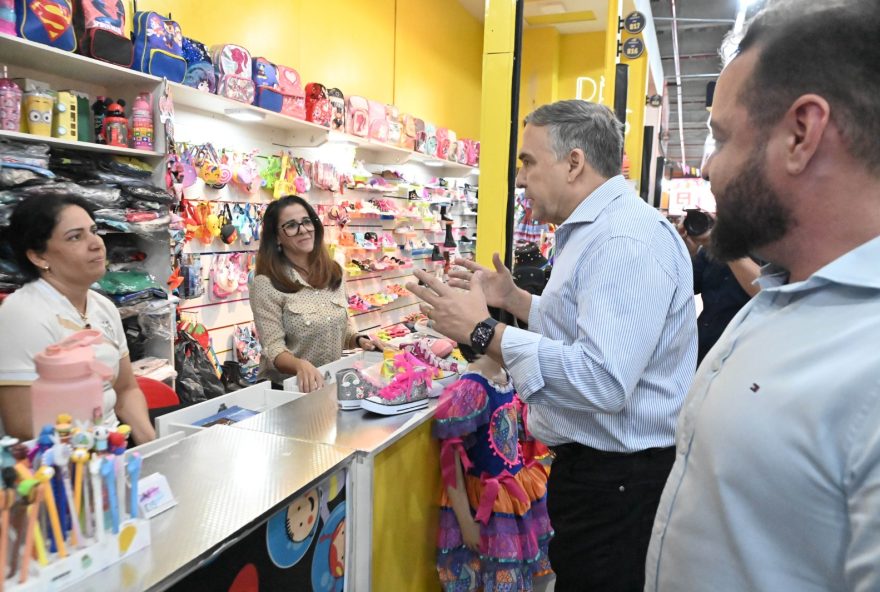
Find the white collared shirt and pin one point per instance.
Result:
(776, 483)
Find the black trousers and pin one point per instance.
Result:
(602, 507)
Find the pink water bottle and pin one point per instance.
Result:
(70, 380)
(10, 104)
(142, 122)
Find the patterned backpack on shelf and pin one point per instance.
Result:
(317, 104)
(430, 139)
(158, 47)
(461, 152)
(442, 143)
(234, 68)
(337, 109)
(268, 90)
(408, 132)
(357, 116)
(378, 121)
(247, 350)
(293, 101)
(199, 67)
(49, 22)
(102, 31)
(395, 128)
(452, 154)
(421, 138)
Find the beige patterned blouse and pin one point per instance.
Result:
(312, 324)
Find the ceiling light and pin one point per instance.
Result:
(245, 114)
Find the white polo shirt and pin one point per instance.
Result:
(776, 483)
(37, 315)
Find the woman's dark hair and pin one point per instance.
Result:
(32, 223)
(324, 272)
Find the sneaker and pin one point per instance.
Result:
(408, 391)
(352, 387)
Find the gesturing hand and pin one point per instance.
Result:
(497, 285)
(454, 313)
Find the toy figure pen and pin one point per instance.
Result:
(134, 474)
(79, 457)
(119, 468)
(44, 474)
(61, 454)
(30, 491)
(109, 477)
(57, 483)
(97, 497)
(7, 498)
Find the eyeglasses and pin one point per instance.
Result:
(293, 227)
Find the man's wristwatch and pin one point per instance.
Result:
(482, 335)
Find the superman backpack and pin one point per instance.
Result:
(268, 92)
(293, 97)
(49, 22)
(102, 31)
(158, 46)
(337, 110)
(357, 116)
(199, 67)
(317, 104)
(234, 69)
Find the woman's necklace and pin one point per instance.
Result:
(84, 316)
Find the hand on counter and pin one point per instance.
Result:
(308, 377)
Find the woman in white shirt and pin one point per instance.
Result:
(298, 297)
(57, 247)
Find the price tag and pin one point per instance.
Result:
(154, 495)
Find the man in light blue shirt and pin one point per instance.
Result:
(611, 345)
(776, 482)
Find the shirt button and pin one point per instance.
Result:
(308, 323)
(621, 489)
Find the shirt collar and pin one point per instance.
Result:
(590, 208)
(856, 268)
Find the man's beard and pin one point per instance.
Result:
(749, 213)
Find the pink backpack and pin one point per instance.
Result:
(234, 69)
(293, 102)
(378, 122)
(461, 152)
(408, 132)
(357, 116)
(442, 143)
(453, 146)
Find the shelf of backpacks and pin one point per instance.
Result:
(302, 133)
(15, 51)
(85, 146)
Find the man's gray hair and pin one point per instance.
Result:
(580, 124)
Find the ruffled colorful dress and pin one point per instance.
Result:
(506, 487)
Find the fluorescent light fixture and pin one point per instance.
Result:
(434, 163)
(245, 114)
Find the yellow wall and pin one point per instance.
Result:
(582, 54)
(426, 58)
(539, 72)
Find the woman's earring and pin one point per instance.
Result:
(279, 248)
(46, 268)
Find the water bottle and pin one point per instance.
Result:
(70, 380)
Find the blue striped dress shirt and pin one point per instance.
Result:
(612, 343)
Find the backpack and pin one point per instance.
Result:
(102, 31)
(408, 132)
(452, 155)
(49, 22)
(317, 104)
(442, 143)
(357, 116)
(378, 121)
(337, 110)
(460, 152)
(421, 138)
(233, 67)
(430, 147)
(199, 67)
(158, 47)
(293, 99)
(7, 18)
(268, 90)
(395, 129)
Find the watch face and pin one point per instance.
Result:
(482, 336)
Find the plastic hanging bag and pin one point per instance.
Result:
(196, 379)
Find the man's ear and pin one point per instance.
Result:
(803, 127)
(577, 160)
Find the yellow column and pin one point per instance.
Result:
(498, 47)
(611, 38)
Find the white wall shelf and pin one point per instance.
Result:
(85, 146)
(27, 54)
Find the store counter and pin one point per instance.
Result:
(395, 484)
(227, 482)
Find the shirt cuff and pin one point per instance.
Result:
(519, 350)
(535, 314)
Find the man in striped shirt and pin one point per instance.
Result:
(610, 348)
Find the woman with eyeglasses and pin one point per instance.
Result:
(298, 297)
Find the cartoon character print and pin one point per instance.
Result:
(503, 433)
(328, 563)
(55, 17)
(289, 533)
(111, 14)
(240, 59)
(302, 515)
